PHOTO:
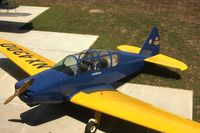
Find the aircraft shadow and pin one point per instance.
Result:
(151, 69)
(50, 112)
(12, 69)
(15, 27)
(160, 71)
(11, 14)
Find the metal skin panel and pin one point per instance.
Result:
(46, 88)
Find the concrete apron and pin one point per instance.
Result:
(22, 14)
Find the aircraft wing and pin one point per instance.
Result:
(29, 61)
(130, 109)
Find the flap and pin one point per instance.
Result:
(167, 61)
(130, 49)
(29, 61)
(127, 108)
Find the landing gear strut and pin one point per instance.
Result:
(93, 123)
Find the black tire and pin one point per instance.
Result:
(91, 127)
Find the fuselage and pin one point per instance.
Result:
(59, 84)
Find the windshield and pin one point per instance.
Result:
(67, 65)
(87, 61)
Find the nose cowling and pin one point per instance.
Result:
(45, 89)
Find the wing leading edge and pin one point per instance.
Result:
(127, 108)
(29, 61)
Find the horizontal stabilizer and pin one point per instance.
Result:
(167, 61)
(130, 49)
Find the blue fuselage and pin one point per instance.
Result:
(54, 86)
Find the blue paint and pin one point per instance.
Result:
(152, 44)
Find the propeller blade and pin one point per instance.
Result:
(19, 91)
(9, 99)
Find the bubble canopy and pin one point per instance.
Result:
(87, 61)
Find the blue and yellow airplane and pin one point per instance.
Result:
(85, 79)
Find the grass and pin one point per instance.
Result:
(129, 22)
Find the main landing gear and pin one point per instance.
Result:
(93, 123)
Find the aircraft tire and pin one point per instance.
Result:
(91, 127)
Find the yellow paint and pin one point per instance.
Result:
(130, 49)
(127, 108)
(29, 61)
(156, 39)
(167, 61)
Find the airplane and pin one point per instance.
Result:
(86, 79)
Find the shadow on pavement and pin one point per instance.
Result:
(44, 113)
(15, 27)
(12, 69)
(11, 14)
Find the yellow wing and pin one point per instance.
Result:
(167, 61)
(29, 61)
(127, 108)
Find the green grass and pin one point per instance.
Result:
(129, 22)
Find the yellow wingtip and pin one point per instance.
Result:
(184, 67)
(167, 61)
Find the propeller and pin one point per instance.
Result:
(19, 91)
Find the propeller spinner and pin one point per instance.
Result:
(19, 91)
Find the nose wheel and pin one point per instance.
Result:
(93, 123)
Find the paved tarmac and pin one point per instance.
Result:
(22, 14)
(16, 117)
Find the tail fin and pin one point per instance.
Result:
(152, 44)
